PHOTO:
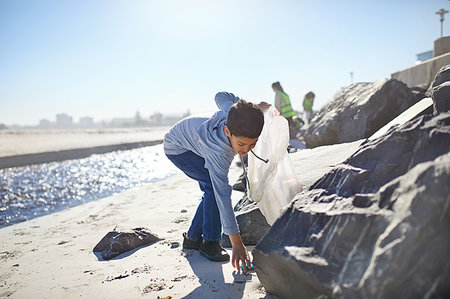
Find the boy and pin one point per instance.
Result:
(203, 148)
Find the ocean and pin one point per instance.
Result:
(37, 190)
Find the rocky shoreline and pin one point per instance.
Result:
(376, 225)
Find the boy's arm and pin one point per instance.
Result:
(224, 100)
(222, 191)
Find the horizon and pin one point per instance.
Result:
(109, 59)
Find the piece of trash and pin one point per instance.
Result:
(248, 269)
(122, 239)
(183, 211)
(174, 245)
(121, 276)
(16, 265)
(179, 278)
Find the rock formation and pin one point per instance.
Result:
(440, 90)
(252, 224)
(375, 226)
(310, 165)
(357, 112)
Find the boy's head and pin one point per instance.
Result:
(245, 121)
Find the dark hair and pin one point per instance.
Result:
(277, 86)
(310, 95)
(245, 119)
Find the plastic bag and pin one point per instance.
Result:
(273, 184)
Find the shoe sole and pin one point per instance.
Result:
(223, 258)
(194, 248)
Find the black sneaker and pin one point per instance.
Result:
(191, 244)
(214, 252)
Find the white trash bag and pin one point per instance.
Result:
(273, 184)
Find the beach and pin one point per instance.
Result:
(51, 256)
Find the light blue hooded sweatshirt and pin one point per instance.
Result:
(206, 138)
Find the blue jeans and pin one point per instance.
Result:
(206, 222)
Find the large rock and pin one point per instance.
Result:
(310, 165)
(374, 227)
(122, 239)
(440, 92)
(357, 112)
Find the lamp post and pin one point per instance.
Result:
(442, 12)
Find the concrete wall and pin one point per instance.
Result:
(421, 75)
(441, 46)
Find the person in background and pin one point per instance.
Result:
(308, 102)
(283, 105)
(204, 148)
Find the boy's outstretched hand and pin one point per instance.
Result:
(239, 254)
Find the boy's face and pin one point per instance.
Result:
(241, 145)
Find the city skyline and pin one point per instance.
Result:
(66, 121)
(110, 59)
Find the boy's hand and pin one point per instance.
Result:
(240, 257)
(239, 254)
(263, 106)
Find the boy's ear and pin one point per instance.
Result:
(227, 131)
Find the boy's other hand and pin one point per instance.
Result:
(263, 106)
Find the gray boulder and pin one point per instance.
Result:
(123, 239)
(310, 165)
(440, 92)
(357, 112)
(252, 226)
(376, 226)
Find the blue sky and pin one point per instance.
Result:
(112, 58)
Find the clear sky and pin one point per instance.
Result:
(110, 58)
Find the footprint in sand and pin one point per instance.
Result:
(180, 219)
(11, 254)
(156, 286)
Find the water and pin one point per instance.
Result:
(32, 191)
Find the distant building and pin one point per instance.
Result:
(169, 120)
(139, 121)
(63, 120)
(123, 122)
(86, 122)
(44, 124)
(424, 56)
(156, 119)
